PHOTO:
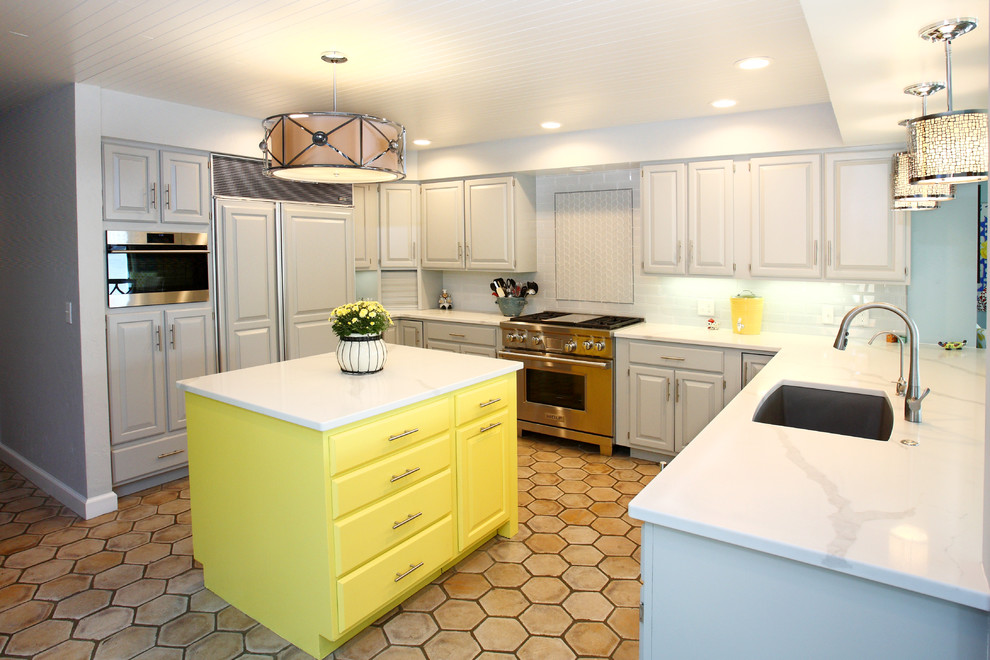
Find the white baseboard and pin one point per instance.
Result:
(83, 506)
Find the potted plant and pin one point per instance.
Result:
(360, 325)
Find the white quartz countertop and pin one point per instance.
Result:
(314, 393)
(452, 315)
(910, 517)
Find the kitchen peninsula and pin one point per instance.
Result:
(797, 543)
(321, 500)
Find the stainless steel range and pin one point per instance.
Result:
(566, 386)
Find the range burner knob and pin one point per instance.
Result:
(515, 337)
(588, 344)
(570, 346)
(537, 340)
(600, 345)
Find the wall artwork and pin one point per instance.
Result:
(594, 247)
(981, 279)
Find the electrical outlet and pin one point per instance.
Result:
(706, 307)
(68, 313)
(827, 315)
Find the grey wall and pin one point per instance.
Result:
(41, 399)
(942, 295)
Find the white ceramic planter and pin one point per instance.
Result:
(361, 354)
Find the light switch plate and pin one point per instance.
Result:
(706, 307)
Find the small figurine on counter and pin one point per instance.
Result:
(712, 324)
(446, 302)
(952, 345)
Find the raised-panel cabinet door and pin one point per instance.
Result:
(398, 224)
(365, 227)
(651, 409)
(442, 224)
(710, 218)
(136, 347)
(130, 183)
(752, 364)
(490, 223)
(410, 333)
(698, 400)
(864, 238)
(441, 345)
(247, 284)
(484, 451)
(786, 216)
(483, 351)
(663, 194)
(185, 188)
(191, 352)
(318, 263)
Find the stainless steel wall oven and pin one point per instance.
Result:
(156, 268)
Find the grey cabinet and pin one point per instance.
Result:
(279, 303)
(146, 184)
(365, 226)
(752, 364)
(410, 333)
(462, 338)
(398, 224)
(148, 352)
(669, 394)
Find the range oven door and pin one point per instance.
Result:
(564, 392)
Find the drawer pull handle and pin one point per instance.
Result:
(402, 435)
(412, 517)
(491, 426)
(670, 357)
(171, 453)
(455, 334)
(489, 402)
(399, 576)
(396, 477)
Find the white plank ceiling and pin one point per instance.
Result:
(465, 71)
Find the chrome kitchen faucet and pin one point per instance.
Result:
(914, 396)
(901, 383)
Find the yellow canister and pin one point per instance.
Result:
(747, 313)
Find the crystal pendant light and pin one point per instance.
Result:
(333, 147)
(902, 190)
(949, 147)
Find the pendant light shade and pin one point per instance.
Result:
(948, 147)
(333, 147)
(903, 190)
(911, 205)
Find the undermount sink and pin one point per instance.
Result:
(829, 411)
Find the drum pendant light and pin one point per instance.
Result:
(333, 147)
(902, 191)
(949, 147)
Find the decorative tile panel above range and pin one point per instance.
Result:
(593, 235)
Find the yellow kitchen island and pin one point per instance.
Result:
(320, 500)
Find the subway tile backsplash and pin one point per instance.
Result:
(789, 306)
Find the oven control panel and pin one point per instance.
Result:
(563, 342)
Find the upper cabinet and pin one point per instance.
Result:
(864, 239)
(786, 216)
(479, 224)
(398, 224)
(365, 227)
(146, 184)
(688, 218)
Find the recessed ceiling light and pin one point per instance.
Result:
(550, 124)
(422, 143)
(723, 103)
(754, 63)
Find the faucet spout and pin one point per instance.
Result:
(913, 394)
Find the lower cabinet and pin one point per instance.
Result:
(752, 364)
(671, 392)
(148, 351)
(317, 534)
(410, 333)
(462, 338)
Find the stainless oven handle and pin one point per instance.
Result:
(113, 251)
(553, 358)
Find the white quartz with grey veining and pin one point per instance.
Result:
(313, 392)
(910, 517)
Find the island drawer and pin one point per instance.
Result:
(480, 401)
(359, 537)
(381, 437)
(676, 356)
(397, 571)
(465, 334)
(389, 475)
